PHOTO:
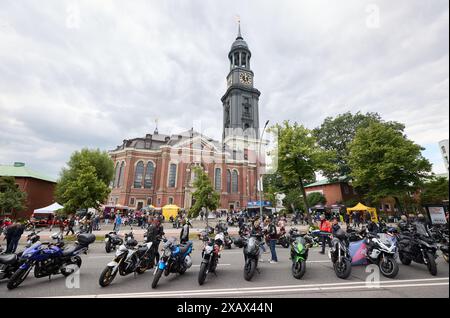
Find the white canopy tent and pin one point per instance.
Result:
(49, 209)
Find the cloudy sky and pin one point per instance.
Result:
(77, 74)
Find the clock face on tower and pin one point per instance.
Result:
(245, 78)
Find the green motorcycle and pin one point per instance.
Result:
(299, 253)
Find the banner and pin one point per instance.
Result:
(437, 214)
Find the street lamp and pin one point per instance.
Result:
(260, 177)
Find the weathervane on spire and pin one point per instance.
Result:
(238, 21)
(156, 126)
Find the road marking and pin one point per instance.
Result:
(281, 289)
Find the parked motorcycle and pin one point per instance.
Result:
(251, 255)
(210, 256)
(418, 246)
(284, 239)
(112, 241)
(299, 253)
(340, 254)
(49, 259)
(9, 263)
(382, 253)
(129, 258)
(175, 259)
(222, 227)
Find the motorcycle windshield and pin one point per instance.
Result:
(421, 229)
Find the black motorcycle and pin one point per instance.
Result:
(129, 258)
(284, 240)
(112, 241)
(222, 227)
(210, 256)
(418, 246)
(251, 255)
(340, 254)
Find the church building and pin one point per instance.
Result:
(157, 169)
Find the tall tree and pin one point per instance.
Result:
(336, 134)
(12, 199)
(299, 157)
(384, 162)
(434, 191)
(205, 196)
(85, 183)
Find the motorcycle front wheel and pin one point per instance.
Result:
(107, 276)
(432, 267)
(108, 247)
(405, 260)
(249, 269)
(343, 268)
(156, 278)
(388, 267)
(17, 278)
(298, 269)
(76, 261)
(202, 274)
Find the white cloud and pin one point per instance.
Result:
(91, 73)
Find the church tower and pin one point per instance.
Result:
(240, 102)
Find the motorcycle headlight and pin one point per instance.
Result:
(167, 252)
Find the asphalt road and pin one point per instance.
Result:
(274, 280)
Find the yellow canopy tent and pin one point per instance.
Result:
(362, 207)
(170, 210)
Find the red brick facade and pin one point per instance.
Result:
(40, 193)
(335, 193)
(185, 156)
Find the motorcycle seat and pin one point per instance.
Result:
(8, 258)
(185, 247)
(69, 250)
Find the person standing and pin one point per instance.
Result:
(15, 237)
(325, 230)
(184, 234)
(272, 239)
(9, 235)
(70, 225)
(117, 222)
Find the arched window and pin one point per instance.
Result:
(218, 179)
(170, 200)
(139, 174)
(116, 176)
(172, 175)
(234, 182)
(149, 172)
(228, 181)
(121, 174)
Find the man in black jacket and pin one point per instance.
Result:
(272, 239)
(184, 234)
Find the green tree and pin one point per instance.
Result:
(293, 200)
(12, 199)
(205, 196)
(85, 182)
(315, 198)
(435, 191)
(299, 157)
(336, 134)
(384, 162)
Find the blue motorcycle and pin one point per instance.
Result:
(175, 259)
(49, 259)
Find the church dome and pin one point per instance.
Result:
(239, 44)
